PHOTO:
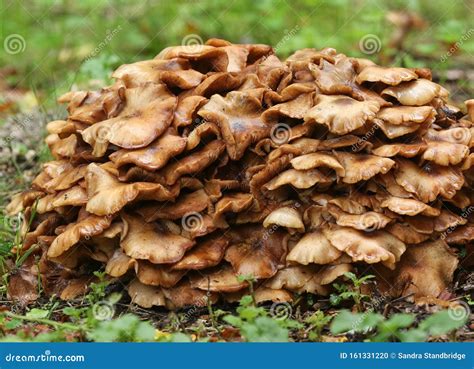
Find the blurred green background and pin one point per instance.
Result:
(68, 42)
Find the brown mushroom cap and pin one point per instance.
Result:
(307, 278)
(417, 93)
(146, 241)
(295, 108)
(205, 254)
(147, 114)
(298, 178)
(194, 162)
(409, 207)
(348, 204)
(62, 148)
(173, 72)
(93, 106)
(238, 116)
(318, 159)
(222, 279)
(428, 182)
(370, 247)
(154, 156)
(107, 195)
(425, 270)
(456, 135)
(406, 233)
(405, 150)
(389, 76)
(258, 252)
(360, 167)
(119, 264)
(393, 131)
(470, 109)
(91, 225)
(445, 153)
(335, 79)
(22, 200)
(144, 295)
(186, 111)
(187, 203)
(315, 248)
(61, 176)
(407, 115)
(285, 216)
(368, 221)
(341, 114)
(461, 235)
(298, 279)
(157, 275)
(184, 295)
(196, 135)
(230, 58)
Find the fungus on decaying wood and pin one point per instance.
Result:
(211, 162)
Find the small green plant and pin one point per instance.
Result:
(250, 279)
(316, 323)
(399, 327)
(346, 292)
(256, 325)
(127, 328)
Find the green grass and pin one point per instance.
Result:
(60, 35)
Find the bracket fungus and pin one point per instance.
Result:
(206, 164)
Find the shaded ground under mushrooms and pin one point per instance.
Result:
(215, 161)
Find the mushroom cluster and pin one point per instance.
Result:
(217, 161)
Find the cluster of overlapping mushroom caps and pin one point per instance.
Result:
(216, 163)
